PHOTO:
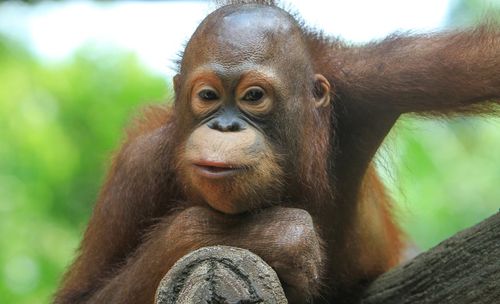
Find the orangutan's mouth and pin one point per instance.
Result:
(212, 169)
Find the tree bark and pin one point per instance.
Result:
(463, 269)
(220, 274)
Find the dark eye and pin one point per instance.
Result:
(253, 95)
(208, 95)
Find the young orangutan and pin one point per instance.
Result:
(269, 146)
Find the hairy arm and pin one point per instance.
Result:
(437, 73)
(284, 237)
(137, 190)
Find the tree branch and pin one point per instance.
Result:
(462, 269)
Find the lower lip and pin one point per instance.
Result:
(216, 172)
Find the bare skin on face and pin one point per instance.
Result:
(220, 170)
(209, 148)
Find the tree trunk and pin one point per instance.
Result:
(463, 269)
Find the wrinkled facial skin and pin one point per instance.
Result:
(237, 93)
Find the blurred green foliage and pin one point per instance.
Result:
(59, 124)
(443, 175)
(469, 12)
(58, 127)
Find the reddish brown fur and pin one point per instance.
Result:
(144, 219)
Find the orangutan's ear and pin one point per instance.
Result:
(321, 91)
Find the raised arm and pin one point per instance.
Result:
(441, 73)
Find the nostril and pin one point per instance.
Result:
(235, 126)
(214, 125)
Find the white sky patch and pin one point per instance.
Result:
(156, 31)
(364, 20)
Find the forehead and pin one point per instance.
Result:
(243, 35)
